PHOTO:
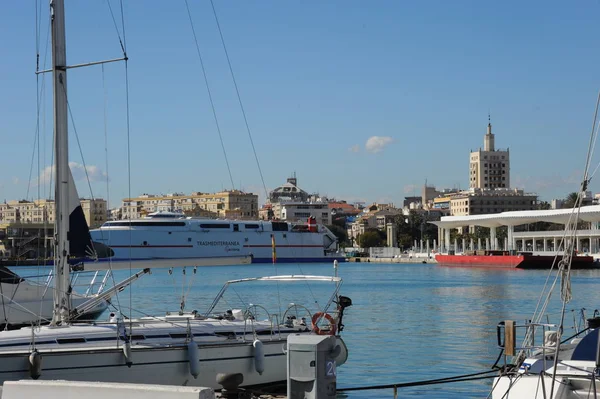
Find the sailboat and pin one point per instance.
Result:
(181, 348)
(25, 303)
(548, 365)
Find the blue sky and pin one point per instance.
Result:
(318, 80)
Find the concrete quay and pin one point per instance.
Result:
(404, 258)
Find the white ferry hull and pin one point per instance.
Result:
(165, 240)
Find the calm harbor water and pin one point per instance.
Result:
(408, 322)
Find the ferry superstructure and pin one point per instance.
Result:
(165, 235)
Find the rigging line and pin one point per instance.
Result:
(239, 98)
(566, 280)
(3, 307)
(591, 144)
(123, 29)
(128, 182)
(112, 15)
(78, 143)
(212, 103)
(107, 184)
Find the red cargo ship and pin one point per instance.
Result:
(506, 259)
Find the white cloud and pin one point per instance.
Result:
(78, 171)
(377, 143)
(354, 148)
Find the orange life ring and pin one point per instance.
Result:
(329, 318)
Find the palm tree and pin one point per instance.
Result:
(571, 200)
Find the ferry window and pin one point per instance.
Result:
(236, 227)
(214, 226)
(251, 226)
(145, 224)
(279, 226)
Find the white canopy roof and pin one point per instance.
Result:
(515, 218)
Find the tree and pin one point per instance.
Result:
(414, 226)
(341, 234)
(371, 238)
(544, 205)
(571, 200)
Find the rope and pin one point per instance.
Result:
(239, 97)
(212, 104)
(128, 155)
(112, 276)
(458, 378)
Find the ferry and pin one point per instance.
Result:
(172, 236)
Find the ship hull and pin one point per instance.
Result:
(192, 238)
(521, 261)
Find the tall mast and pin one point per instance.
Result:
(61, 156)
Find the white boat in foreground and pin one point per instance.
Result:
(183, 348)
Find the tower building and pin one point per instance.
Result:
(489, 168)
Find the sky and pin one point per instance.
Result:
(364, 101)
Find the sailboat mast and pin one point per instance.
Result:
(61, 156)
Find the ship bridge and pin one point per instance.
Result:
(530, 240)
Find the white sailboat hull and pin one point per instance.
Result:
(26, 304)
(160, 365)
(159, 353)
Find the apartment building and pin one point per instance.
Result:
(489, 168)
(225, 204)
(42, 211)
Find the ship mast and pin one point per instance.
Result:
(61, 174)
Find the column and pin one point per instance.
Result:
(471, 245)
(487, 243)
(578, 242)
(554, 247)
(511, 239)
(434, 245)
(446, 240)
(427, 246)
(533, 244)
(463, 245)
(479, 244)
(545, 244)
(505, 248)
(421, 248)
(493, 238)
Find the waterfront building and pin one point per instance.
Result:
(539, 242)
(232, 203)
(374, 218)
(489, 168)
(342, 208)
(42, 211)
(477, 201)
(289, 191)
(94, 211)
(300, 211)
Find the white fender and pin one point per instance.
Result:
(194, 358)
(259, 356)
(127, 353)
(35, 364)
